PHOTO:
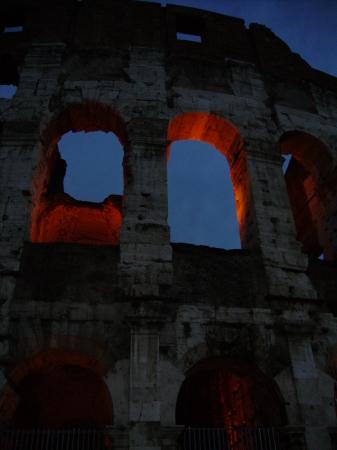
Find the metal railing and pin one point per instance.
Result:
(73, 439)
(230, 439)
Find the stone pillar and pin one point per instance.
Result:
(19, 150)
(333, 436)
(169, 437)
(145, 430)
(306, 382)
(327, 193)
(266, 219)
(118, 438)
(294, 438)
(145, 251)
(19, 157)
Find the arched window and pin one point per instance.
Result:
(201, 200)
(311, 184)
(94, 165)
(57, 216)
(201, 204)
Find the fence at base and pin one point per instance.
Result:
(230, 439)
(54, 440)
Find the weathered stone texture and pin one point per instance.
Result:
(143, 316)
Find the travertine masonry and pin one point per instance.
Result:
(142, 323)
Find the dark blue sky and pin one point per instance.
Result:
(201, 199)
(309, 27)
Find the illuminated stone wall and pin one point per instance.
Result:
(96, 292)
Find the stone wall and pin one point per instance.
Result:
(142, 321)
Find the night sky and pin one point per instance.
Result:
(201, 199)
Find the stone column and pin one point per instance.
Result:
(118, 438)
(19, 156)
(306, 382)
(145, 251)
(327, 193)
(294, 438)
(20, 147)
(169, 437)
(266, 219)
(145, 430)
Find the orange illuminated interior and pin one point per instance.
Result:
(64, 219)
(311, 181)
(57, 217)
(207, 128)
(226, 139)
(227, 395)
(312, 153)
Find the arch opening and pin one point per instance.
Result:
(57, 216)
(57, 389)
(311, 184)
(92, 162)
(201, 204)
(200, 193)
(7, 90)
(223, 393)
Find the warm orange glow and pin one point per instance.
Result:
(88, 116)
(56, 217)
(207, 128)
(296, 179)
(242, 192)
(63, 219)
(312, 153)
(224, 137)
(311, 181)
(57, 388)
(225, 398)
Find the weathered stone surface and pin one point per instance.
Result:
(137, 316)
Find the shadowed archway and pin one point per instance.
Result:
(57, 389)
(311, 180)
(226, 393)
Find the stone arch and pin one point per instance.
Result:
(57, 389)
(57, 217)
(227, 140)
(311, 180)
(224, 392)
(207, 128)
(86, 346)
